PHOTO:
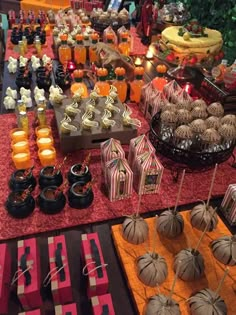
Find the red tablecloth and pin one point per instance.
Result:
(12, 50)
(195, 187)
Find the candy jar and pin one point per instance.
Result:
(79, 50)
(64, 50)
(79, 86)
(101, 85)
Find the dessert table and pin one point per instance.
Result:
(101, 215)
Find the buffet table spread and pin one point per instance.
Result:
(195, 187)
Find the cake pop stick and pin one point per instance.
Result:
(179, 191)
(212, 183)
(139, 204)
(204, 232)
(174, 281)
(222, 281)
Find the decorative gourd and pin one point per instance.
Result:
(63, 37)
(94, 36)
(162, 305)
(170, 224)
(201, 216)
(120, 71)
(79, 37)
(224, 249)
(78, 73)
(102, 72)
(161, 68)
(206, 302)
(190, 264)
(152, 269)
(135, 229)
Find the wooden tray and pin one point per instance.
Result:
(168, 249)
(91, 139)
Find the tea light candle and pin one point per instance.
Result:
(20, 146)
(22, 160)
(138, 61)
(149, 55)
(18, 134)
(44, 143)
(43, 131)
(47, 156)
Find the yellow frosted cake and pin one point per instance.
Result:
(199, 45)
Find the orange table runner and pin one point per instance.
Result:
(168, 249)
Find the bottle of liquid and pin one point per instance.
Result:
(21, 48)
(230, 79)
(38, 47)
(79, 50)
(24, 40)
(124, 46)
(120, 83)
(21, 107)
(42, 103)
(160, 81)
(136, 85)
(41, 116)
(93, 57)
(110, 40)
(64, 51)
(102, 86)
(219, 71)
(23, 121)
(79, 85)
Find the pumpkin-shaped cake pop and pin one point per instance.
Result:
(201, 216)
(161, 305)
(212, 122)
(135, 229)
(207, 302)
(190, 264)
(224, 249)
(152, 269)
(170, 224)
(199, 103)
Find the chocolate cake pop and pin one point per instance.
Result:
(190, 264)
(135, 229)
(152, 269)
(162, 305)
(199, 112)
(215, 109)
(229, 120)
(170, 224)
(199, 103)
(224, 250)
(213, 122)
(207, 302)
(198, 126)
(184, 116)
(201, 216)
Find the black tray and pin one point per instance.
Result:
(193, 159)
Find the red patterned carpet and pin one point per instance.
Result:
(195, 187)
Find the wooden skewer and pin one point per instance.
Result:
(212, 183)
(222, 280)
(154, 236)
(174, 281)
(205, 230)
(139, 204)
(179, 191)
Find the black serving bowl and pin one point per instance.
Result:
(74, 176)
(47, 177)
(49, 203)
(18, 208)
(20, 181)
(78, 199)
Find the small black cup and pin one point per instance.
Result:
(79, 199)
(47, 177)
(17, 207)
(20, 181)
(74, 175)
(49, 203)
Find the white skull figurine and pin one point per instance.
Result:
(12, 67)
(25, 92)
(23, 61)
(11, 92)
(39, 91)
(27, 101)
(9, 102)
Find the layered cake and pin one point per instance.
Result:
(192, 40)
